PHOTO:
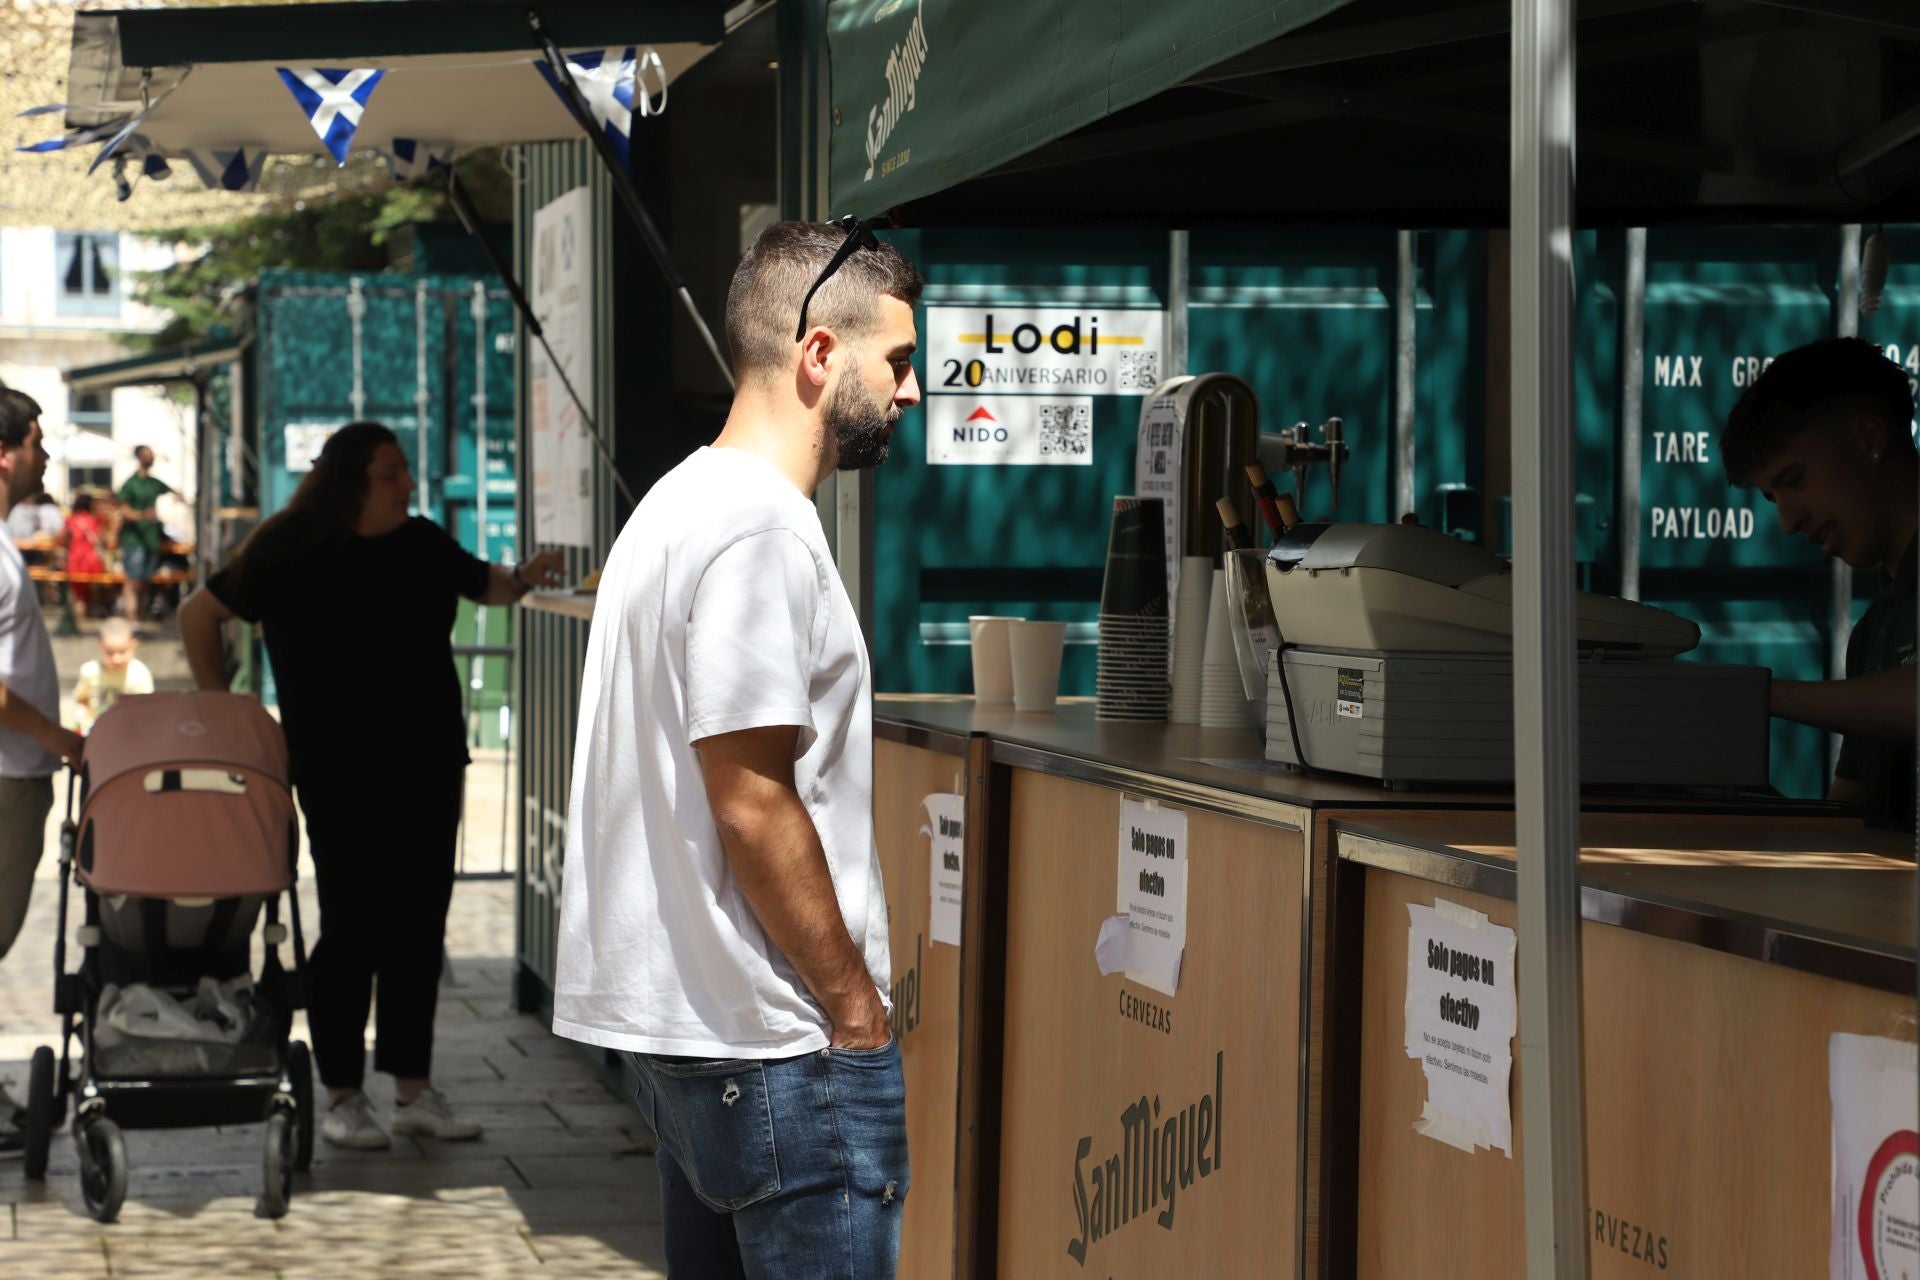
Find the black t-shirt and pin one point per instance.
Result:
(1883, 640)
(360, 634)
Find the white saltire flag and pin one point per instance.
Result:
(333, 101)
(236, 170)
(79, 138)
(408, 158)
(606, 80)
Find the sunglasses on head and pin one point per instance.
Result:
(859, 236)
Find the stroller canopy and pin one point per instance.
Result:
(187, 797)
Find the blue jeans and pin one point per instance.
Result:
(783, 1169)
(138, 563)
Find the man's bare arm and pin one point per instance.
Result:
(775, 854)
(1876, 706)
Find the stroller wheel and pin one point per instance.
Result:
(40, 1104)
(300, 1069)
(103, 1167)
(278, 1191)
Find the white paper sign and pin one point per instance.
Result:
(1152, 893)
(1876, 1159)
(562, 288)
(1461, 1016)
(946, 815)
(1156, 471)
(1006, 431)
(1044, 351)
(304, 441)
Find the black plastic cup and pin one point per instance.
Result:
(1136, 579)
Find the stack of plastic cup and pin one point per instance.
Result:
(1223, 700)
(1192, 600)
(1131, 682)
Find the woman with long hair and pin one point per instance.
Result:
(357, 601)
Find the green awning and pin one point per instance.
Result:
(929, 93)
(169, 364)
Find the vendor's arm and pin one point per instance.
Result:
(774, 852)
(201, 620)
(1876, 706)
(22, 717)
(506, 583)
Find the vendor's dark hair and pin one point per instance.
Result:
(323, 509)
(18, 410)
(763, 303)
(1805, 389)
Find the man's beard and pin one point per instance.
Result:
(859, 430)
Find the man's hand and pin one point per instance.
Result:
(864, 1026)
(544, 569)
(65, 743)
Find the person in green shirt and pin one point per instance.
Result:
(140, 534)
(1826, 434)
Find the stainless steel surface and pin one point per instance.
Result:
(1633, 385)
(1220, 435)
(1179, 299)
(1546, 742)
(420, 395)
(1405, 349)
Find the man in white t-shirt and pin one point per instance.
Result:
(32, 742)
(722, 920)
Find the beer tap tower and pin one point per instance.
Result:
(1295, 450)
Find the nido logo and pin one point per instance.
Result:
(980, 427)
(904, 65)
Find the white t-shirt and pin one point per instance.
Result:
(719, 609)
(26, 666)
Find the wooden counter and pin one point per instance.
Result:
(1719, 958)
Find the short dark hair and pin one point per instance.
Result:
(763, 303)
(1802, 390)
(18, 412)
(82, 501)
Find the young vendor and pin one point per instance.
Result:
(1826, 433)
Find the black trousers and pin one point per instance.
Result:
(383, 856)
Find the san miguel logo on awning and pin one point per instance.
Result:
(905, 62)
(1160, 1156)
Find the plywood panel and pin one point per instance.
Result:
(926, 1000)
(1081, 1049)
(1707, 1113)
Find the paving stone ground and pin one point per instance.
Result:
(563, 1184)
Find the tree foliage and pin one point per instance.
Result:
(204, 292)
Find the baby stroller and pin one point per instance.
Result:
(186, 832)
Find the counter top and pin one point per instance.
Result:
(568, 604)
(1827, 896)
(1069, 740)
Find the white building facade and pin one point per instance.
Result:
(66, 302)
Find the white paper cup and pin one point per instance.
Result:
(992, 661)
(1036, 649)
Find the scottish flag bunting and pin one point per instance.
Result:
(334, 101)
(408, 158)
(77, 139)
(606, 80)
(237, 170)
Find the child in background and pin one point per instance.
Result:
(115, 674)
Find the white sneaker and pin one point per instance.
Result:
(431, 1116)
(350, 1123)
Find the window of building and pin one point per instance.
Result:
(91, 411)
(79, 478)
(88, 264)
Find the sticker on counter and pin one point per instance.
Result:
(1461, 1016)
(1350, 693)
(1871, 1084)
(946, 817)
(1152, 892)
(1009, 431)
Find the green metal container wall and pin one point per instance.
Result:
(552, 648)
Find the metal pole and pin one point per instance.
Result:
(1405, 353)
(482, 464)
(356, 311)
(1179, 302)
(420, 392)
(1545, 695)
(623, 188)
(1846, 325)
(1633, 385)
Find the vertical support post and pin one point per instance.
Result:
(1846, 324)
(1633, 387)
(1405, 353)
(1179, 302)
(420, 397)
(1545, 695)
(356, 312)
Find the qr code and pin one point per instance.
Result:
(1066, 429)
(1140, 369)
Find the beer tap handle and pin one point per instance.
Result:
(1334, 429)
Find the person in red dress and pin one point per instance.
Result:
(84, 538)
